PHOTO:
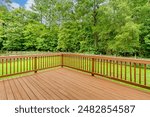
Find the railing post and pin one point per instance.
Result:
(35, 64)
(145, 74)
(92, 66)
(62, 60)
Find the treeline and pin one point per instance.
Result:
(114, 27)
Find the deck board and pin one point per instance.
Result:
(109, 87)
(84, 90)
(34, 89)
(22, 92)
(54, 93)
(66, 84)
(72, 93)
(27, 89)
(15, 91)
(62, 92)
(2, 91)
(88, 89)
(9, 93)
(40, 89)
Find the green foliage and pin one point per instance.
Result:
(120, 27)
(127, 40)
(68, 37)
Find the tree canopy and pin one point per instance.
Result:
(114, 27)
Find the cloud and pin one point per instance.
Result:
(104, 3)
(29, 4)
(14, 5)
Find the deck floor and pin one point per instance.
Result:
(66, 84)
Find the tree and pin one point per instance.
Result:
(14, 30)
(3, 18)
(142, 16)
(68, 37)
(115, 27)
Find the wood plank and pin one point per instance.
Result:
(73, 93)
(48, 89)
(58, 93)
(15, 90)
(92, 91)
(2, 91)
(22, 92)
(27, 89)
(66, 84)
(39, 88)
(8, 89)
(124, 91)
(83, 89)
(33, 89)
(78, 90)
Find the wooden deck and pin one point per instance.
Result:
(66, 84)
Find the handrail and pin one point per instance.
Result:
(13, 65)
(132, 71)
(34, 55)
(123, 59)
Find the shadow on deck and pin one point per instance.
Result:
(66, 84)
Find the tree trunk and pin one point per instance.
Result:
(95, 24)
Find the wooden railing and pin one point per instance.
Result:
(132, 71)
(12, 65)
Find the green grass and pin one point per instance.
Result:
(100, 68)
(23, 65)
(26, 65)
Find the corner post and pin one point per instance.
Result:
(35, 64)
(92, 66)
(62, 60)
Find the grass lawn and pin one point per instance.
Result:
(100, 67)
(27, 64)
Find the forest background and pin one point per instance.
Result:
(109, 27)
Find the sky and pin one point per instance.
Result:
(25, 3)
(20, 2)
